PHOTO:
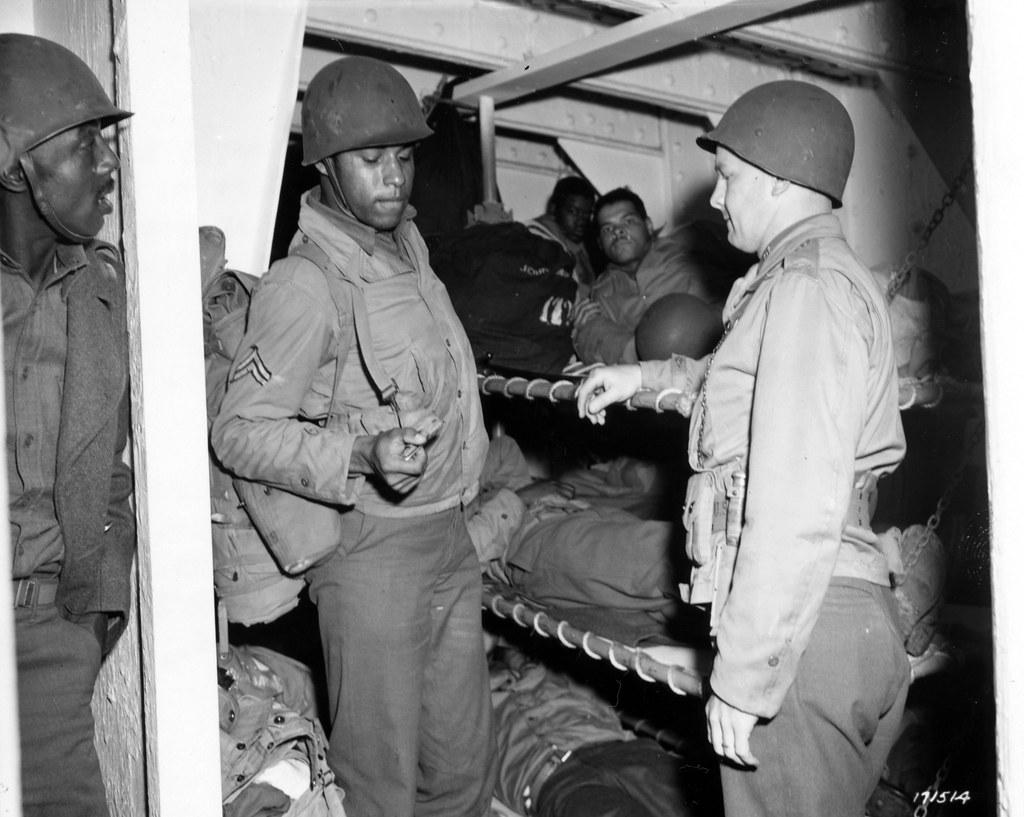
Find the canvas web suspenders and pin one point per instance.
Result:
(344, 290)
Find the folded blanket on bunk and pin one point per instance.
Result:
(577, 547)
(566, 555)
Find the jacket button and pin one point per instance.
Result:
(773, 661)
(266, 490)
(305, 482)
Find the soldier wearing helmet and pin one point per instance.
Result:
(65, 364)
(399, 454)
(795, 417)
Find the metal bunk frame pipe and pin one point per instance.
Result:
(680, 680)
(923, 392)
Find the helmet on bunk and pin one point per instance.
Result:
(45, 89)
(793, 130)
(677, 324)
(358, 102)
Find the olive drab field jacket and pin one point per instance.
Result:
(270, 425)
(802, 395)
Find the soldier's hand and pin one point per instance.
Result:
(398, 457)
(729, 731)
(604, 386)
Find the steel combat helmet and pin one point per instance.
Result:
(677, 324)
(358, 102)
(793, 130)
(45, 89)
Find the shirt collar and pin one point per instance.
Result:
(825, 225)
(68, 258)
(320, 221)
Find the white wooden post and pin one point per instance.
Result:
(997, 74)
(169, 414)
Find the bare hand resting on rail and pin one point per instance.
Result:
(604, 386)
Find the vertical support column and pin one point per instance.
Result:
(490, 210)
(486, 114)
(245, 59)
(176, 607)
(997, 71)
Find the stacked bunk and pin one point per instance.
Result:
(620, 643)
(938, 492)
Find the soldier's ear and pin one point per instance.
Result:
(780, 186)
(12, 177)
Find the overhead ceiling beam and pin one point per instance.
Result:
(618, 46)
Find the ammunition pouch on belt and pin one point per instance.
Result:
(713, 519)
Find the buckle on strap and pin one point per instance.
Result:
(863, 499)
(34, 592)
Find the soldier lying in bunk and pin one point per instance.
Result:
(563, 751)
(571, 542)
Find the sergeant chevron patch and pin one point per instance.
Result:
(252, 364)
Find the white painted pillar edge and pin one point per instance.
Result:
(997, 74)
(169, 414)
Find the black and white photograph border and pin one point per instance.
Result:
(616, 91)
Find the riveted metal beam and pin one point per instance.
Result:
(616, 46)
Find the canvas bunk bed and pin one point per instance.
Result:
(678, 659)
(509, 603)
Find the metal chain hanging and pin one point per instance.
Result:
(934, 520)
(922, 538)
(926, 796)
(900, 275)
(955, 478)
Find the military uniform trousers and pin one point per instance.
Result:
(58, 663)
(400, 623)
(823, 753)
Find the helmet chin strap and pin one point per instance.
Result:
(332, 177)
(45, 208)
